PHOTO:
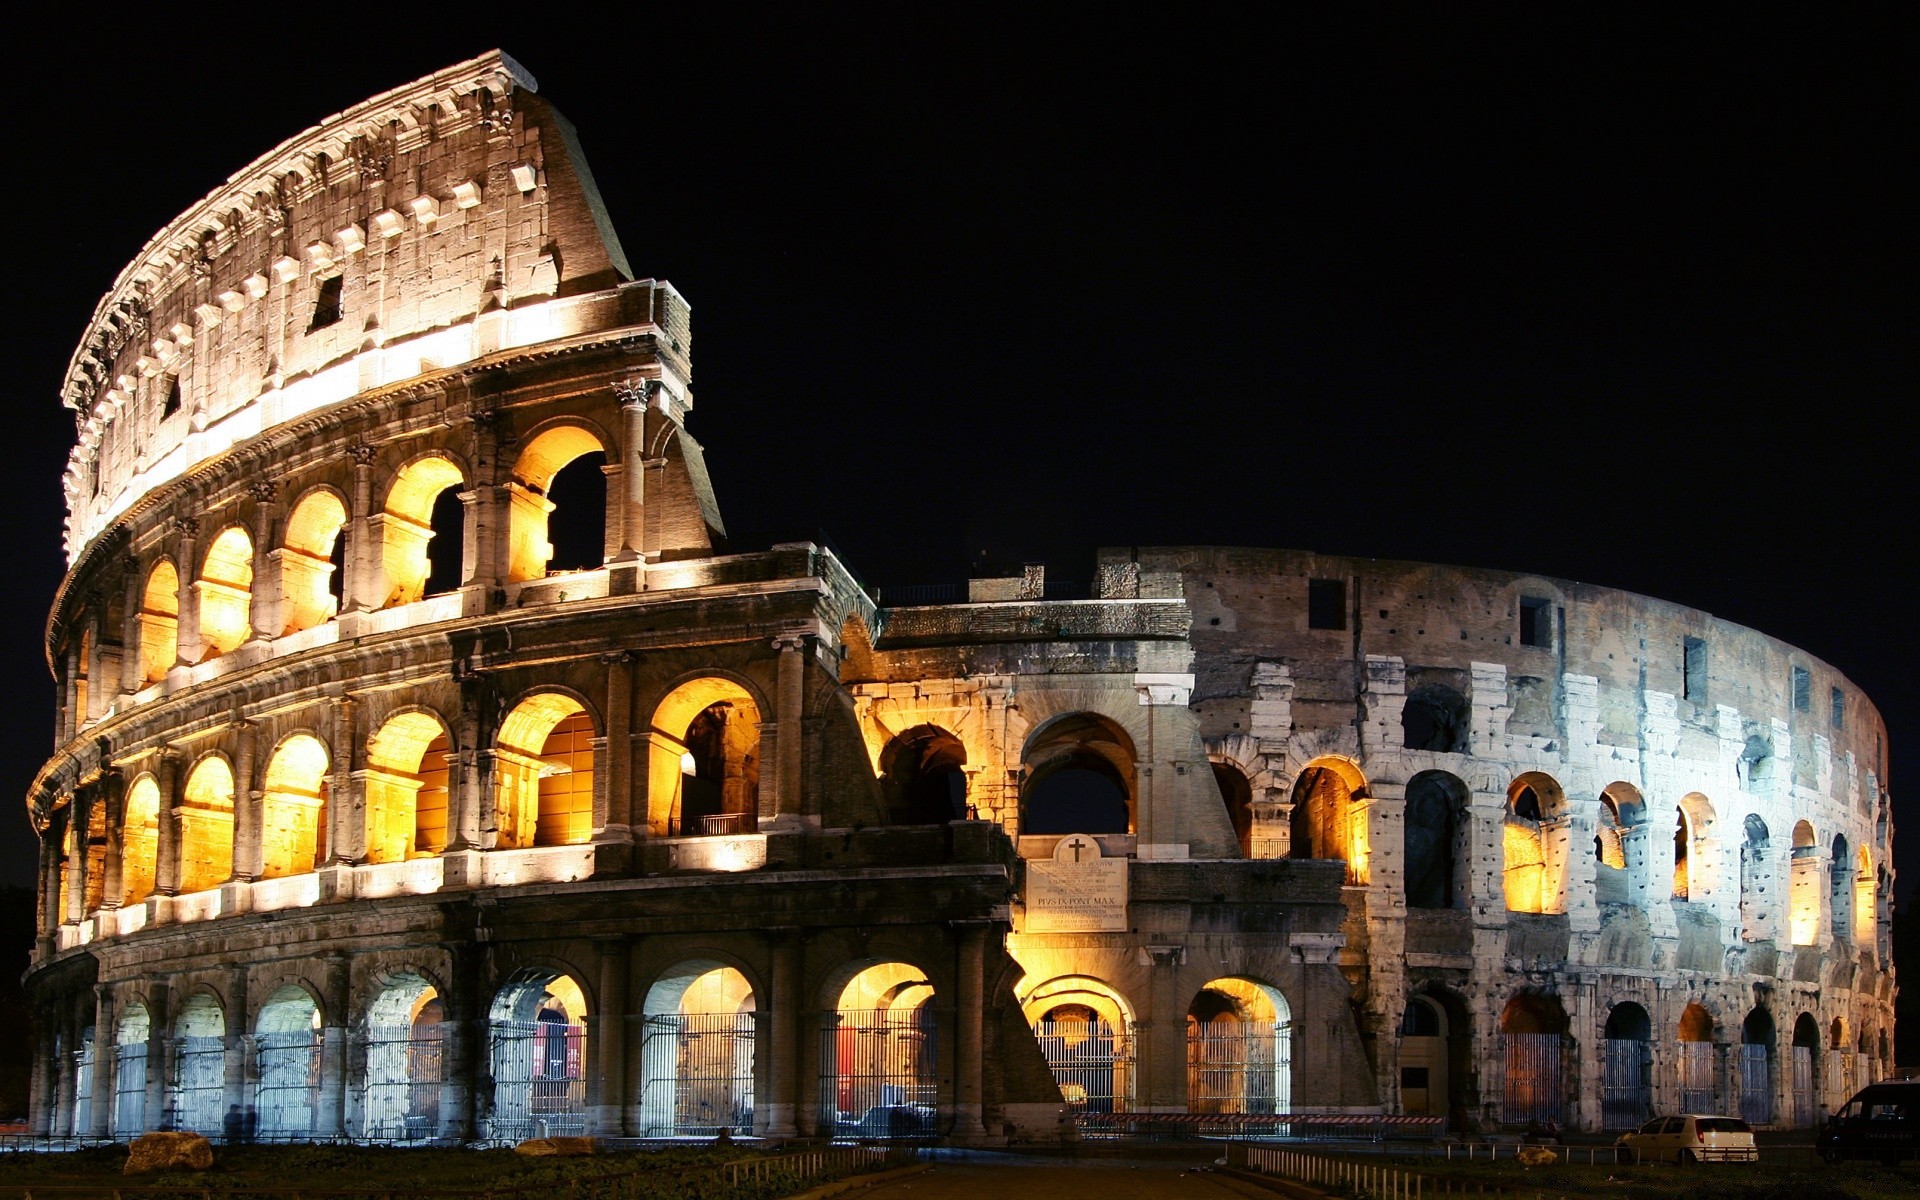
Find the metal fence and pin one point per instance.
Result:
(699, 1074)
(539, 1088)
(130, 1089)
(1756, 1084)
(197, 1088)
(404, 1075)
(1534, 1086)
(1696, 1078)
(1239, 1067)
(83, 1084)
(1805, 1113)
(878, 1074)
(288, 1092)
(1626, 1090)
(1091, 1061)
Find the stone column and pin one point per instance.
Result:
(187, 565)
(633, 395)
(613, 833)
(347, 837)
(788, 805)
(465, 1046)
(113, 793)
(238, 1042)
(329, 1119)
(609, 1107)
(159, 1021)
(100, 1114)
(41, 1083)
(63, 1081)
(362, 588)
(52, 861)
(166, 853)
(486, 512)
(775, 1117)
(248, 851)
(264, 613)
(968, 1035)
(81, 808)
(131, 628)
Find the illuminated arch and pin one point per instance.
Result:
(1239, 1048)
(543, 457)
(293, 807)
(1330, 803)
(1085, 1030)
(287, 1049)
(703, 761)
(1533, 1028)
(406, 525)
(879, 1069)
(1866, 900)
(537, 1039)
(922, 776)
(697, 1052)
(1534, 800)
(206, 826)
(405, 1063)
(408, 787)
(1079, 777)
(140, 840)
(307, 583)
(1693, 829)
(543, 772)
(196, 1088)
(159, 621)
(225, 590)
(131, 1034)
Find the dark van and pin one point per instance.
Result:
(1882, 1122)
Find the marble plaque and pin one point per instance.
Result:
(1077, 891)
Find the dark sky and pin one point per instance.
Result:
(1618, 301)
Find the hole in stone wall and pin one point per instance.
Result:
(1326, 604)
(326, 303)
(1435, 718)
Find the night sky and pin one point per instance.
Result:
(1626, 303)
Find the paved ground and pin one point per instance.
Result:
(1013, 1177)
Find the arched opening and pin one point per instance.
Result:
(530, 550)
(1693, 827)
(1425, 1085)
(1626, 1093)
(82, 674)
(287, 1048)
(1619, 846)
(1804, 914)
(1840, 1067)
(1437, 826)
(423, 531)
(1865, 900)
(543, 768)
(577, 526)
(923, 777)
(406, 1061)
(1435, 718)
(1840, 887)
(293, 807)
(159, 621)
(96, 852)
(407, 788)
(1239, 1049)
(696, 1053)
(1756, 1068)
(195, 1098)
(1756, 881)
(309, 580)
(1085, 1031)
(1696, 1061)
(1236, 792)
(538, 1046)
(225, 589)
(1079, 772)
(1534, 801)
(1533, 1028)
(130, 1071)
(1806, 1048)
(1330, 816)
(82, 1115)
(140, 841)
(206, 826)
(703, 773)
(879, 1056)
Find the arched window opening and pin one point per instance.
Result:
(422, 520)
(1840, 1063)
(1626, 1094)
(1865, 900)
(1806, 1049)
(309, 583)
(140, 845)
(197, 1089)
(407, 782)
(530, 552)
(1329, 818)
(879, 1057)
(159, 622)
(544, 768)
(1533, 1028)
(287, 1048)
(1620, 846)
(96, 851)
(703, 766)
(696, 1053)
(406, 1062)
(1804, 915)
(1840, 887)
(1236, 792)
(1079, 778)
(293, 807)
(130, 1071)
(1534, 802)
(1696, 1061)
(1239, 1049)
(1437, 832)
(1087, 1038)
(577, 526)
(225, 590)
(83, 1061)
(538, 1045)
(1756, 881)
(206, 827)
(1756, 1068)
(1435, 718)
(1693, 868)
(1427, 1079)
(82, 675)
(1682, 881)
(923, 777)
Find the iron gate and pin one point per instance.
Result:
(1092, 1064)
(1756, 1085)
(1533, 1079)
(83, 1086)
(1239, 1067)
(1626, 1096)
(699, 1074)
(538, 1086)
(878, 1074)
(404, 1074)
(1696, 1077)
(288, 1094)
(1804, 1112)
(130, 1089)
(196, 1098)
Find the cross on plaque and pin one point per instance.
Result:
(1077, 845)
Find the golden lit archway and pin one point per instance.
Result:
(703, 760)
(406, 525)
(1239, 1048)
(407, 780)
(1535, 808)
(1329, 819)
(225, 590)
(293, 807)
(1803, 917)
(140, 845)
(528, 548)
(537, 1030)
(697, 1052)
(206, 826)
(543, 767)
(159, 621)
(306, 561)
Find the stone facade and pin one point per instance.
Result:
(371, 815)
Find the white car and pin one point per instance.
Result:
(1689, 1139)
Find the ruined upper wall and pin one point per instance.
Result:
(362, 252)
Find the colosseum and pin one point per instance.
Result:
(429, 767)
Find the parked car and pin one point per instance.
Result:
(890, 1121)
(1882, 1121)
(1696, 1137)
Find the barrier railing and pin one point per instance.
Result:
(1355, 1126)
